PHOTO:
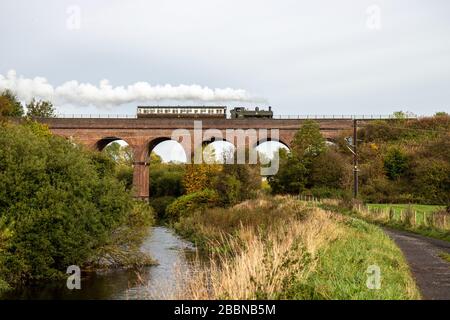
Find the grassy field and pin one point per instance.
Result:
(281, 248)
(430, 223)
(421, 210)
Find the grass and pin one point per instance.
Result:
(342, 269)
(281, 248)
(427, 220)
(445, 256)
(422, 208)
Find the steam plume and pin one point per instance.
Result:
(105, 95)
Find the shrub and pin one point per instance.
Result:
(58, 204)
(328, 193)
(395, 163)
(199, 176)
(160, 204)
(188, 204)
(328, 170)
(432, 180)
(166, 179)
(236, 183)
(125, 174)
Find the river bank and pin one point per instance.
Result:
(283, 248)
(158, 281)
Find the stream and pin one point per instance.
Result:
(172, 253)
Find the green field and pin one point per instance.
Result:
(420, 209)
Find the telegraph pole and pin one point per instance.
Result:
(355, 159)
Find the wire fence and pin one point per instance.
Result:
(407, 217)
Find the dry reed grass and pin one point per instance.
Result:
(267, 263)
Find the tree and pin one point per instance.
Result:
(40, 109)
(308, 141)
(154, 158)
(395, 163)
(328, 170)
(10, 106)
(237, 182)
(198, 177)
(291, 176)
(59, 204)
(120, 154)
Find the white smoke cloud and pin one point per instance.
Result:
(105, 95)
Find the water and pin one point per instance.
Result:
(154, 282)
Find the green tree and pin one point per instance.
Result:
(154, 158)
(298, 169)
(292, 175)
(59, 204)
(399, 115)
(10, 106)
(189, 203)
(308, 141)
(237, 182)
(431, 181)
(328, 170)
(395, 163)
(119, 153)
(40, 109)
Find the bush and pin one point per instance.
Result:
(236, 183)
(58, 204)
(432, 180)
(395, 163)
(328, 170)
(188, 204)
(291, 177)
(160, 204)
(125, 174)
(328, 193)
(166, 179)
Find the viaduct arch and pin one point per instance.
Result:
(142, 135)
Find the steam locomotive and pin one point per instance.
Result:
(242, 113)
(200, 112)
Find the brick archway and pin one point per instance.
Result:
(140, 134)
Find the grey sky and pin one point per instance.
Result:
(303, 57)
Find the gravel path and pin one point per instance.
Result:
(432, 273)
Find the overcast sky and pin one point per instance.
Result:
(301, 57)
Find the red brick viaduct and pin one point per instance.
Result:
(143, 135)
